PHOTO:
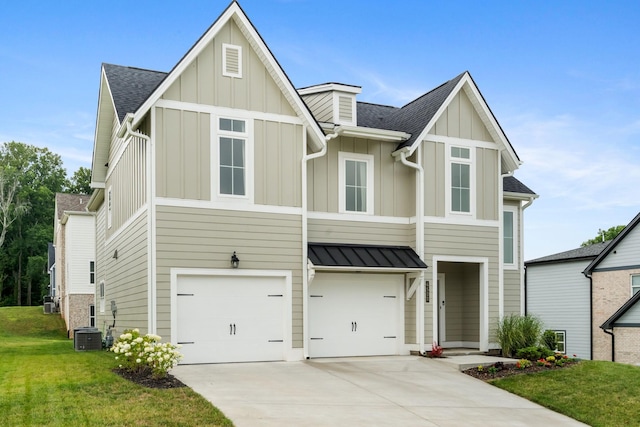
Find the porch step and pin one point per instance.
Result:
(462, 352)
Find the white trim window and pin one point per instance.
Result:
(461, 180)
(635, 284)
(101, 295)
(355, 183)
(109, 207)
(510, 237)
(92, 315)
(234, 159)
(231, 60)
(561, 341)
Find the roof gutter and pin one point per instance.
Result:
(402, 157)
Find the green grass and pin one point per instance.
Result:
(44, 382)
(594, 392)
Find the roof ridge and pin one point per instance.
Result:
(377, 105)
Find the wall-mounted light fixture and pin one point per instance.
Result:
(115, 254)
(235, 261)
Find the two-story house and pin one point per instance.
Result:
(248, 220)
(73, 287)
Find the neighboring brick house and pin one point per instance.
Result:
(615, 282)
(74, 241)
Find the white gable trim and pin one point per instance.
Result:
(234, 11)
(483, 111)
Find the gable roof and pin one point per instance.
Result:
(419, 116)
(582, 253)
(611, 321)
(130, 86)
(234, 12)
(70, 203)
(614, 243)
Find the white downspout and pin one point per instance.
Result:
(305, 236)
(420, 297)
(151, 285)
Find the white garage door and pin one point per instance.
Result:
(355, 314)
(230, 319)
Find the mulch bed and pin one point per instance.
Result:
(509, 370)
(146, 380)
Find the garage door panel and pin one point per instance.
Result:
(231, 319)
(354, 314)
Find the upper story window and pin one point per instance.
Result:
(231, 60)
(635, 284)
(461, 188)
(92, 272)
(510, 236)
(234, 158)
(355, 183)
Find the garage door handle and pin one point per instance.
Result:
(232, 328)
(354, 326)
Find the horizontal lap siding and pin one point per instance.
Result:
(512, 292)
(204, 238)
(375, 233)
(126, 278)
(559, 295)
(464, 241)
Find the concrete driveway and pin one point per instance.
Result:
(367, 391)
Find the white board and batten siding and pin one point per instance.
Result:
(558, 293)
(625, 254)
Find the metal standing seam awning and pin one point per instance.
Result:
(341, 256)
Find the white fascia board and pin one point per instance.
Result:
(96, 199)
(234, 11)
(372, 133)
(330, 87)
(100, 154)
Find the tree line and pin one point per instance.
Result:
(30, 177)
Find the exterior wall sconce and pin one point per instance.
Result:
(115, 254)
(235, 261)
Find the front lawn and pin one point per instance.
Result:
(594, 392)
(43, 381)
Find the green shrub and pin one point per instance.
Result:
(550, 340)
(533, 353)
(515, 332)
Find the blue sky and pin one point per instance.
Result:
(562, 78)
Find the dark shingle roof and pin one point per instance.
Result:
(131, 86)
(365, 256)
(634, 222)
(511, 185)
(611, 321)
(71, 203)
(583, 253)
(412, 118)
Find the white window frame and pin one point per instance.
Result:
(343, 157)
(109, 207)
(225, 48)
(563, 341)
(101, 294)
(249, 166)
(635, 286)
(513, 265)
(471, 161)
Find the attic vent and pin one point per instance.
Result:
(345, 109)
(231, 60)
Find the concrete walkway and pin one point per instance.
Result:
(366, 391)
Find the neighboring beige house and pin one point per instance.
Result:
(615, 284)
(250, 221)
(74, 241)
